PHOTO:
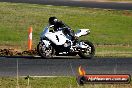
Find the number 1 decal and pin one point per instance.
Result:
(57, 38)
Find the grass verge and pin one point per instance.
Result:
(55, 82)
(113, 51)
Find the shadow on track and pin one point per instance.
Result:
(63, 57)
(38, 57)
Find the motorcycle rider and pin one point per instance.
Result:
(60, 25)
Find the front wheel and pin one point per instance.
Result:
(45, 52)
(89, 52)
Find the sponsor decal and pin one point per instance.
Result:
(101, 78)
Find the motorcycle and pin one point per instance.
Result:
(55, 43)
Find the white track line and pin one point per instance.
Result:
(45, 76)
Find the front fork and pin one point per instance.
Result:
(46, 43)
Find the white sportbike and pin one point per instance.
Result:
(54, 43)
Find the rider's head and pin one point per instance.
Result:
(52, 20)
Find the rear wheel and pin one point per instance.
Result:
(88, 52)
(45, 52)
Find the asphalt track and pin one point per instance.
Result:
(90, 4)
(60, 66)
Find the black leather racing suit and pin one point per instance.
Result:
(66, 29)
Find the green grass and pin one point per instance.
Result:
(114, 51)
(106, 26)
(63, 82)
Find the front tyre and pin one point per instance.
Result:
(88, 52)
(45, 52)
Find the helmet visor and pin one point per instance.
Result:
(55, 20)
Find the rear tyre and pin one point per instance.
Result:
(45, 52)
(89, 52)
